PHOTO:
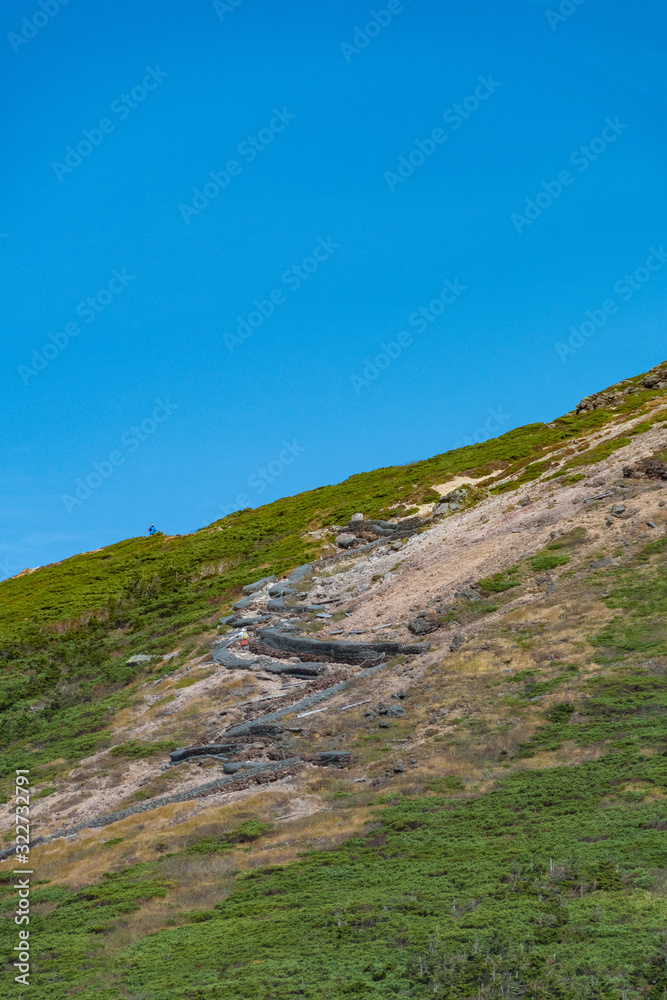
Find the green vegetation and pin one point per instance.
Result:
(244, 834)
(530, 881)
(545, 560)
(597, 454)
(500, 582)
(136, 749)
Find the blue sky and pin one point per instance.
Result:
(228, 229)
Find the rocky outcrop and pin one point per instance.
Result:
(346, 540)
(221, 654)
(339, 652)
(207, 750)
(648, 468)
(360, 531)
(656, 378)
(424, 623)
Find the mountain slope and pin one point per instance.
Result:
(498, 828)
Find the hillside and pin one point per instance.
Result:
(438, 768)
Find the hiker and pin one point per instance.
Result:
(244, 640)
(152, 530)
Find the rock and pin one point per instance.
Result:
(333, 758)
(457, 642)
(300, 573)
(210, 749)
(391, 711)
(525, 502)
(245, 602)
(400, 694)
(220, 654)
(447, 508)
(602, 563)
(425, 622)
(618, 509)
(455, 496)
(140, 658)
(296, 669)
(231, 767)
(245, 622)
(346, 540)
(656, 378)
(252, 588)
(265, 729)
(468, 595)
(340, 652)
(357, 517)
(383, 724)
(281, 590)
(277, 605)
(599, 399)
(649, 468)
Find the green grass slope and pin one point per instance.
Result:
(549, 885)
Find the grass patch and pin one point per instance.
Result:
(500, 582)
(244, 834)
(137, 750)
(548, 560)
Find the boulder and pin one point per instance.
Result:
(278, 606)
(346, 540)
(457, 641)
(245, 602)
(425, 622)
(220, 654)
(395, 712)
(300, 573)
(281, 589)
(447, 508)
(649, 468)
(357, 517)
(468, 594)
(455, 496)
(231, 767)
(252, 588)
